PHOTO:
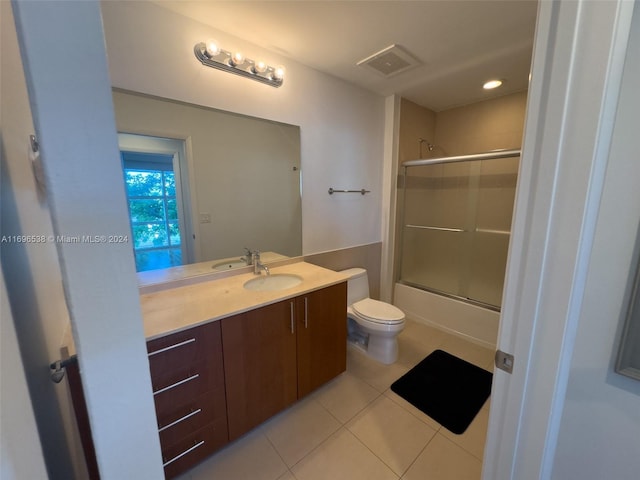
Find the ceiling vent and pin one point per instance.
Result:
(389, 61)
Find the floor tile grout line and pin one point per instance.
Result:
(435, 432)
(462, 448)
(277, 453)
(313, 449)
(368, 383)
(419, 454)
(411, 412)
(355, 414)
(343, 425)
(372, 452)
(371, 385)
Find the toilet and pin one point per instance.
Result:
(373, 326)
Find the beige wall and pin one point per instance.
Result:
(492, 124)
(364, 256)
(473, 197)
(416, 122)
(480, 127)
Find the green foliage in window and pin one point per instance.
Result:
(153, 212)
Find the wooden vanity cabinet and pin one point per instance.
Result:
(187, 375)
(259, 364)
(321, 337)
(277, 354)
(214, 382)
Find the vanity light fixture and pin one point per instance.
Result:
(491, 84)
(210, 54)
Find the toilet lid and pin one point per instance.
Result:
(377, 311)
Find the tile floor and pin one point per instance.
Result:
(356, 428)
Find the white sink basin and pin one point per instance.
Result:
(277, 281)
(229, 265)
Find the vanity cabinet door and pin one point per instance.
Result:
(321, 337)
(259, 364)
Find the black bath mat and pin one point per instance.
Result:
(447, 388)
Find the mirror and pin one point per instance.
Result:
(237, 184)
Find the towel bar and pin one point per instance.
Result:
(362, 191)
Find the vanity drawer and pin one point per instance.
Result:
(191, 450)
(183, 348)
(183, 419)
(183, 384)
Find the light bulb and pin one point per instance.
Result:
(212, 48)
(237, 59)
(260, 67)
(491, 84)
(278, 73)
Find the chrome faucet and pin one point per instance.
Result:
(248, 256)
(258, 265)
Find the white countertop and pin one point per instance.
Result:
(177, 309)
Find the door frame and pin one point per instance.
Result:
(578, 59)
(70, 96)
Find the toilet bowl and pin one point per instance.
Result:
(373, 326)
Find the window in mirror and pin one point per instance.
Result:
(153, 209)
(155, 177)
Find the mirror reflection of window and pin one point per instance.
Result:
(153, 209)
(155, 172)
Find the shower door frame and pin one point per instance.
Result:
(492, 155)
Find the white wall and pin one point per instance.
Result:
(600, 426)
(33, 278)
(150, 50)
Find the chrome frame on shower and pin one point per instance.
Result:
(492, 155)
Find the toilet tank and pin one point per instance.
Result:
(357, 285)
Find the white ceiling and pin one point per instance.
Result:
(459, 44)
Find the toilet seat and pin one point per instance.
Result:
(379, 312)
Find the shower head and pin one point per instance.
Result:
(430, 146)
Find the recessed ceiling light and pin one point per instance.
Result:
(491, 84)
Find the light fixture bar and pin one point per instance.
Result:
(236, 63)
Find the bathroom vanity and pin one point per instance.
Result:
(277, 354)
(224, 359)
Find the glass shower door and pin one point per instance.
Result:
(456, 222)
